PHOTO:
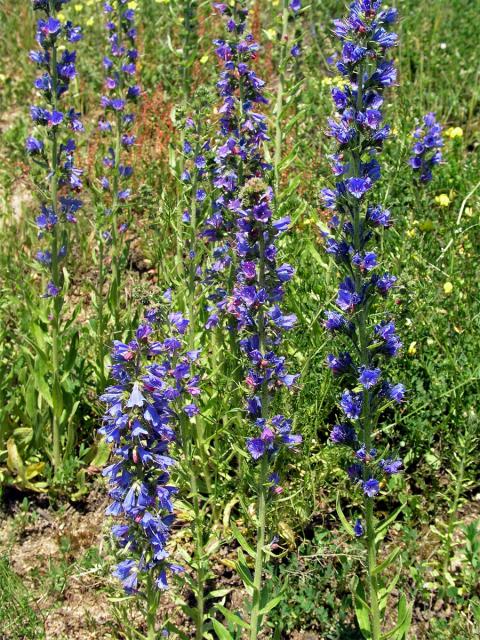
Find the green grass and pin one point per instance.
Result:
(428, 247)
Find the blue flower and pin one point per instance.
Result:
(358, 131)
(142, 410)
(426, 152)
(343, 434)
(245, 231)
(358, 528)
(391, 466)
(371, 487)
(369, 377)
(351, 404)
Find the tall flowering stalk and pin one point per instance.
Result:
(359, 132)
(52, 149)
(258, 289)
(190, 42)
(289, 49)
(121, 94)
(147, 409)
(196, 179)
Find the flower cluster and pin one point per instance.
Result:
(154, 391)
(121, 92)
(359, 132)
(426, 149)
(51, 146)
(237, 156)
(255, 299)
(296, 49)
(196, 177)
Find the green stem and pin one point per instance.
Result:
(56, 277)
(101, 319)
(279, 101)
(372, 564)
(152, 606)
(117, 243)
(195, 440)
(263, 473)
(198, 526)
(259, 553)
(366, 412)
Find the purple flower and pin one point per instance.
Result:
(339, 364)
(348, 298)
(358, 528)
(358, 186)
(54, 145)
(426, 152)
(143, 409)
(358, 132)
(391, 466)
(343, 434)
(371, 487)
(369, 377)
(244, 231)
(351, 404)
(34, 146)
(121, 93)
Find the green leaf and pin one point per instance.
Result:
(43, 389)
(387, 562)
(240, 538)
(218, 593)
(400, 630)
(245, 574)
(362, 610)
(102, 454)
(57, 398)
(384, 593)
(30, 398)
(39, 340)
(381, 529)
(221, 631)
(232, 617)
(346, 525)
(71, 356)
(171, 627)
(14, 460)
(271, 605)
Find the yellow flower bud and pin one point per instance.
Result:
(442, 200)
(448, 288)
(454, 132)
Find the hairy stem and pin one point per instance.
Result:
(280, 91)
(152, 606)
(56, 275)
(263, 472)
(367, 418)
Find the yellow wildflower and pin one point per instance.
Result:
(204, 59)
(78, 7)
(454, 132)
(448, 288)
(412, 349)
(442, 200)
